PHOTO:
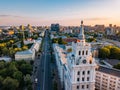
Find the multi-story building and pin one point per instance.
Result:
(80, 69)
(111, 30)
(30, 53)
(55, 27)
(61, 60)
(107, 79)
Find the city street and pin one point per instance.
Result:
(43, 71)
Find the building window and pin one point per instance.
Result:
(87, 52)
(78, 73)
(82, 86)
(83, 79)
(79, 52)
(77, 87)
(88, 78)
(90, 61)
(83, 72)
(82, 52)
(87, 86)
(88, 72)
(78, 79)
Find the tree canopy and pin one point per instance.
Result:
(59, 41)
(109, 52)
(12, 75)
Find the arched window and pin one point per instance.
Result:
(88, 72)
(83, 72)
(90, 61)
(79, 52)
(87, 52)
(82, 52)
(78, 73)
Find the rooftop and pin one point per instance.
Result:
(60, 49)
(24, 52)
(110, 71)
(112, 61)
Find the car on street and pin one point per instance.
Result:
(36, 80)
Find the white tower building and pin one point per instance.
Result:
(80, 67)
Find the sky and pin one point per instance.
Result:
(64, 12)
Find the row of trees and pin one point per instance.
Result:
(91, 40)
(15, 75)
(11, 51)
(111, 52)
(59, 41)
(8, 49)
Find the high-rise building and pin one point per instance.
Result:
(80, 67)
(55, 27)
(77, 70)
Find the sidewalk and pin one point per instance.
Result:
(55, 77)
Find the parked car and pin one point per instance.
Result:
(36, 80)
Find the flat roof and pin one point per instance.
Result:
(112, 61)
(114, 72)
(24, 52)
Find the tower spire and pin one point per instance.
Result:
(81, 34)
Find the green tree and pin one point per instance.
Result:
(18, 75)
(104, 53)
(1, 80)
(3, 72)
(8, 44)
(10, 84)
(5, 51)
(2, 64)
(11, 52)
(117, 66)
(25, 47)
(20, 62)
(27, 79)
(26, 69)
(69, 50)
(115, 53)
(11, 69)
(109, 47)
(63, 42)
(91, 40)
(29, 87)
(60, 41)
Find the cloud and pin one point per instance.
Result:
(4, 15)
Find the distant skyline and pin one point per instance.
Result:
(64, 12)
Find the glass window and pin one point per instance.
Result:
(77, 87)
(83, 79)
(87, 86)
(90, 61)
(88, 72)
(82, 52)
(88, 78)
(87, 52)
(82, 86)
(78, 73)
(83, 72)
(79, 52)
(78, 79)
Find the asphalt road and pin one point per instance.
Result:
(43, 71)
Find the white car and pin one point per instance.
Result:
(36, 80)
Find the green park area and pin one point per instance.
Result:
(15, 75)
